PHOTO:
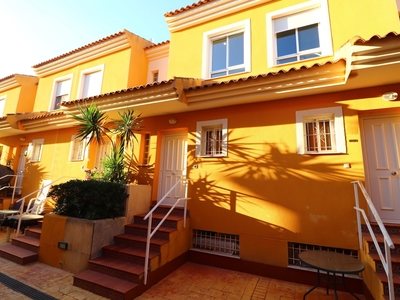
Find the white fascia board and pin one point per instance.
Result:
(208, 12)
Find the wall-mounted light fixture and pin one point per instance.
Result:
(22, 139)
(172, 121)
(390, 96)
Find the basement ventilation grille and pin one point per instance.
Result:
(295, 248)
(216, 242)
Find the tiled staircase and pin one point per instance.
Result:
(23, 249)
(118, 272)
(394, 232)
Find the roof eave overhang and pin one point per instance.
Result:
(268, 87)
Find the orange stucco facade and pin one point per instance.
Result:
(266, 188)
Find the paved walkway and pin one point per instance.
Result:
(191, 281)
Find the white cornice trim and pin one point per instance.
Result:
(9, 84)
(157, 52)
(90, 53)
(208, 12)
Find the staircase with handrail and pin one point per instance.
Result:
(379, 251)
(147, 248)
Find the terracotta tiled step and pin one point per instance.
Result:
(132, 254)
(379, 238)
(17, 254)
(395, 262)
(141, 229)
(117, 267)
(135, 240)
(396, 280)
(27, 242)
(105, 285)
(171, 221)
(177, 211)
(392, 229)
(34, 232)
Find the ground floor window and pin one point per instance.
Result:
(216, 242)
(294, 249)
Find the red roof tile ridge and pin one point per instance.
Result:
(274, 73)
(130, 89)
(377, 37)
(186, 8)
(158, 44)
(45, 114)
(104, 39)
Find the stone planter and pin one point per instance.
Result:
(82, 238)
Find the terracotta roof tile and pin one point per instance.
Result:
(188, 7)
(141, 87)
(107, 38)
(7, 77)
(44, 115)
(378, 37)
(242, 79)
(157, 45)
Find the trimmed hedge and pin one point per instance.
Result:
(89, 199)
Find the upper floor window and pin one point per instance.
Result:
(155, 76)
(299, 32)
(212, 138)
(78, 149)
(91, 81)
(62, 91)
(320, 131)
(226, 50)
(2, 106)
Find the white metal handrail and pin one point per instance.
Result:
(386, 257)
(14, 186)
(151, 233)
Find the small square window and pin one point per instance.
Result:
(212, 138)
(155, 76)
(320, 131)
(35, 150)
(78, 149)
(226, 50)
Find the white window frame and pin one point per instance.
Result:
(54, 91)
(74, 141)
(338, 139)
(200, 147)
(35, 147)
(83, 73)
(324, 29)
(3, 100)
(215, 34)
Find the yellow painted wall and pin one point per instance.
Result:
(12, 98)
(266, 192)
(138, 62)
(27, 94)
(187, 45)
(115, 77)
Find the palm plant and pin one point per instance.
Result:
(93, 126)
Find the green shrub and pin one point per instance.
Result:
(89, 199)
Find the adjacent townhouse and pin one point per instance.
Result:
(270, 109)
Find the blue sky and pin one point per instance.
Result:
(32, 31)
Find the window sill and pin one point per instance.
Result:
(308, 60)
(227, 76)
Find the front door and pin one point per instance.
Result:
(21, 169)
(172, 167)
(382, 150)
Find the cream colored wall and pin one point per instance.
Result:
(115, 77)
(160, 65)
(186, 45)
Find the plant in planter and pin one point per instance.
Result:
(93, 126)
(89, 199)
